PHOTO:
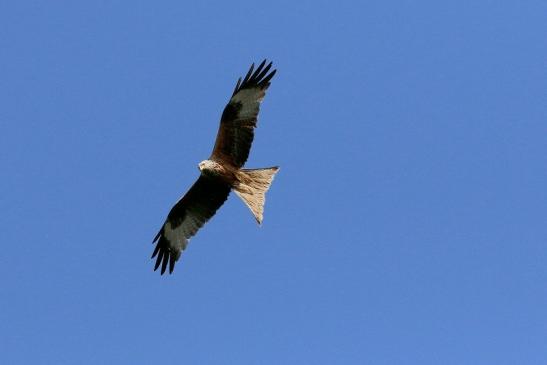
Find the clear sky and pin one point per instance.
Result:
(408, 223)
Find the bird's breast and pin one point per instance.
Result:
(222, 171)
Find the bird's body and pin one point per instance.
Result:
(222, 172)
(212, 168)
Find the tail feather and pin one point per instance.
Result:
(252, 187)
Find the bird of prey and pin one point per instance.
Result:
(222, 172)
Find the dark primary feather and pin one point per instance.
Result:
(239, 118)
(257, 78)
(191, 212)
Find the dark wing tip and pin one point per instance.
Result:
(155, 251)
(260, 78)
(172, 260)
(158, 260)
(237, 86)
(158, 235)
(165, 256)
(246, 79)
(265, 82)
(165, 261)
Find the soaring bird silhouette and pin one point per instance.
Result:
(222, 172)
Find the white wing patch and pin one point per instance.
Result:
(190, 225)
(176, 237)
(250, 101)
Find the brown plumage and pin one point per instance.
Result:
(222, 172)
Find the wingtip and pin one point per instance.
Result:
(164, 264)
(237, 86)
(157, 236)
(267, 79)
(249, 73)
(158, 260)
(155, 251)
(259, 77)
(259, 68)
(172, 260)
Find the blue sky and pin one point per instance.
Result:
(407, 224)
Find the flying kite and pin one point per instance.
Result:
(222, 172)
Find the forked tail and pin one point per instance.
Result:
(252, 187)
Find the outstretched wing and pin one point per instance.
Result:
(239, 117)
(186, 217)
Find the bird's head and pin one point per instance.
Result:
(202, 165)
(209, 167)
